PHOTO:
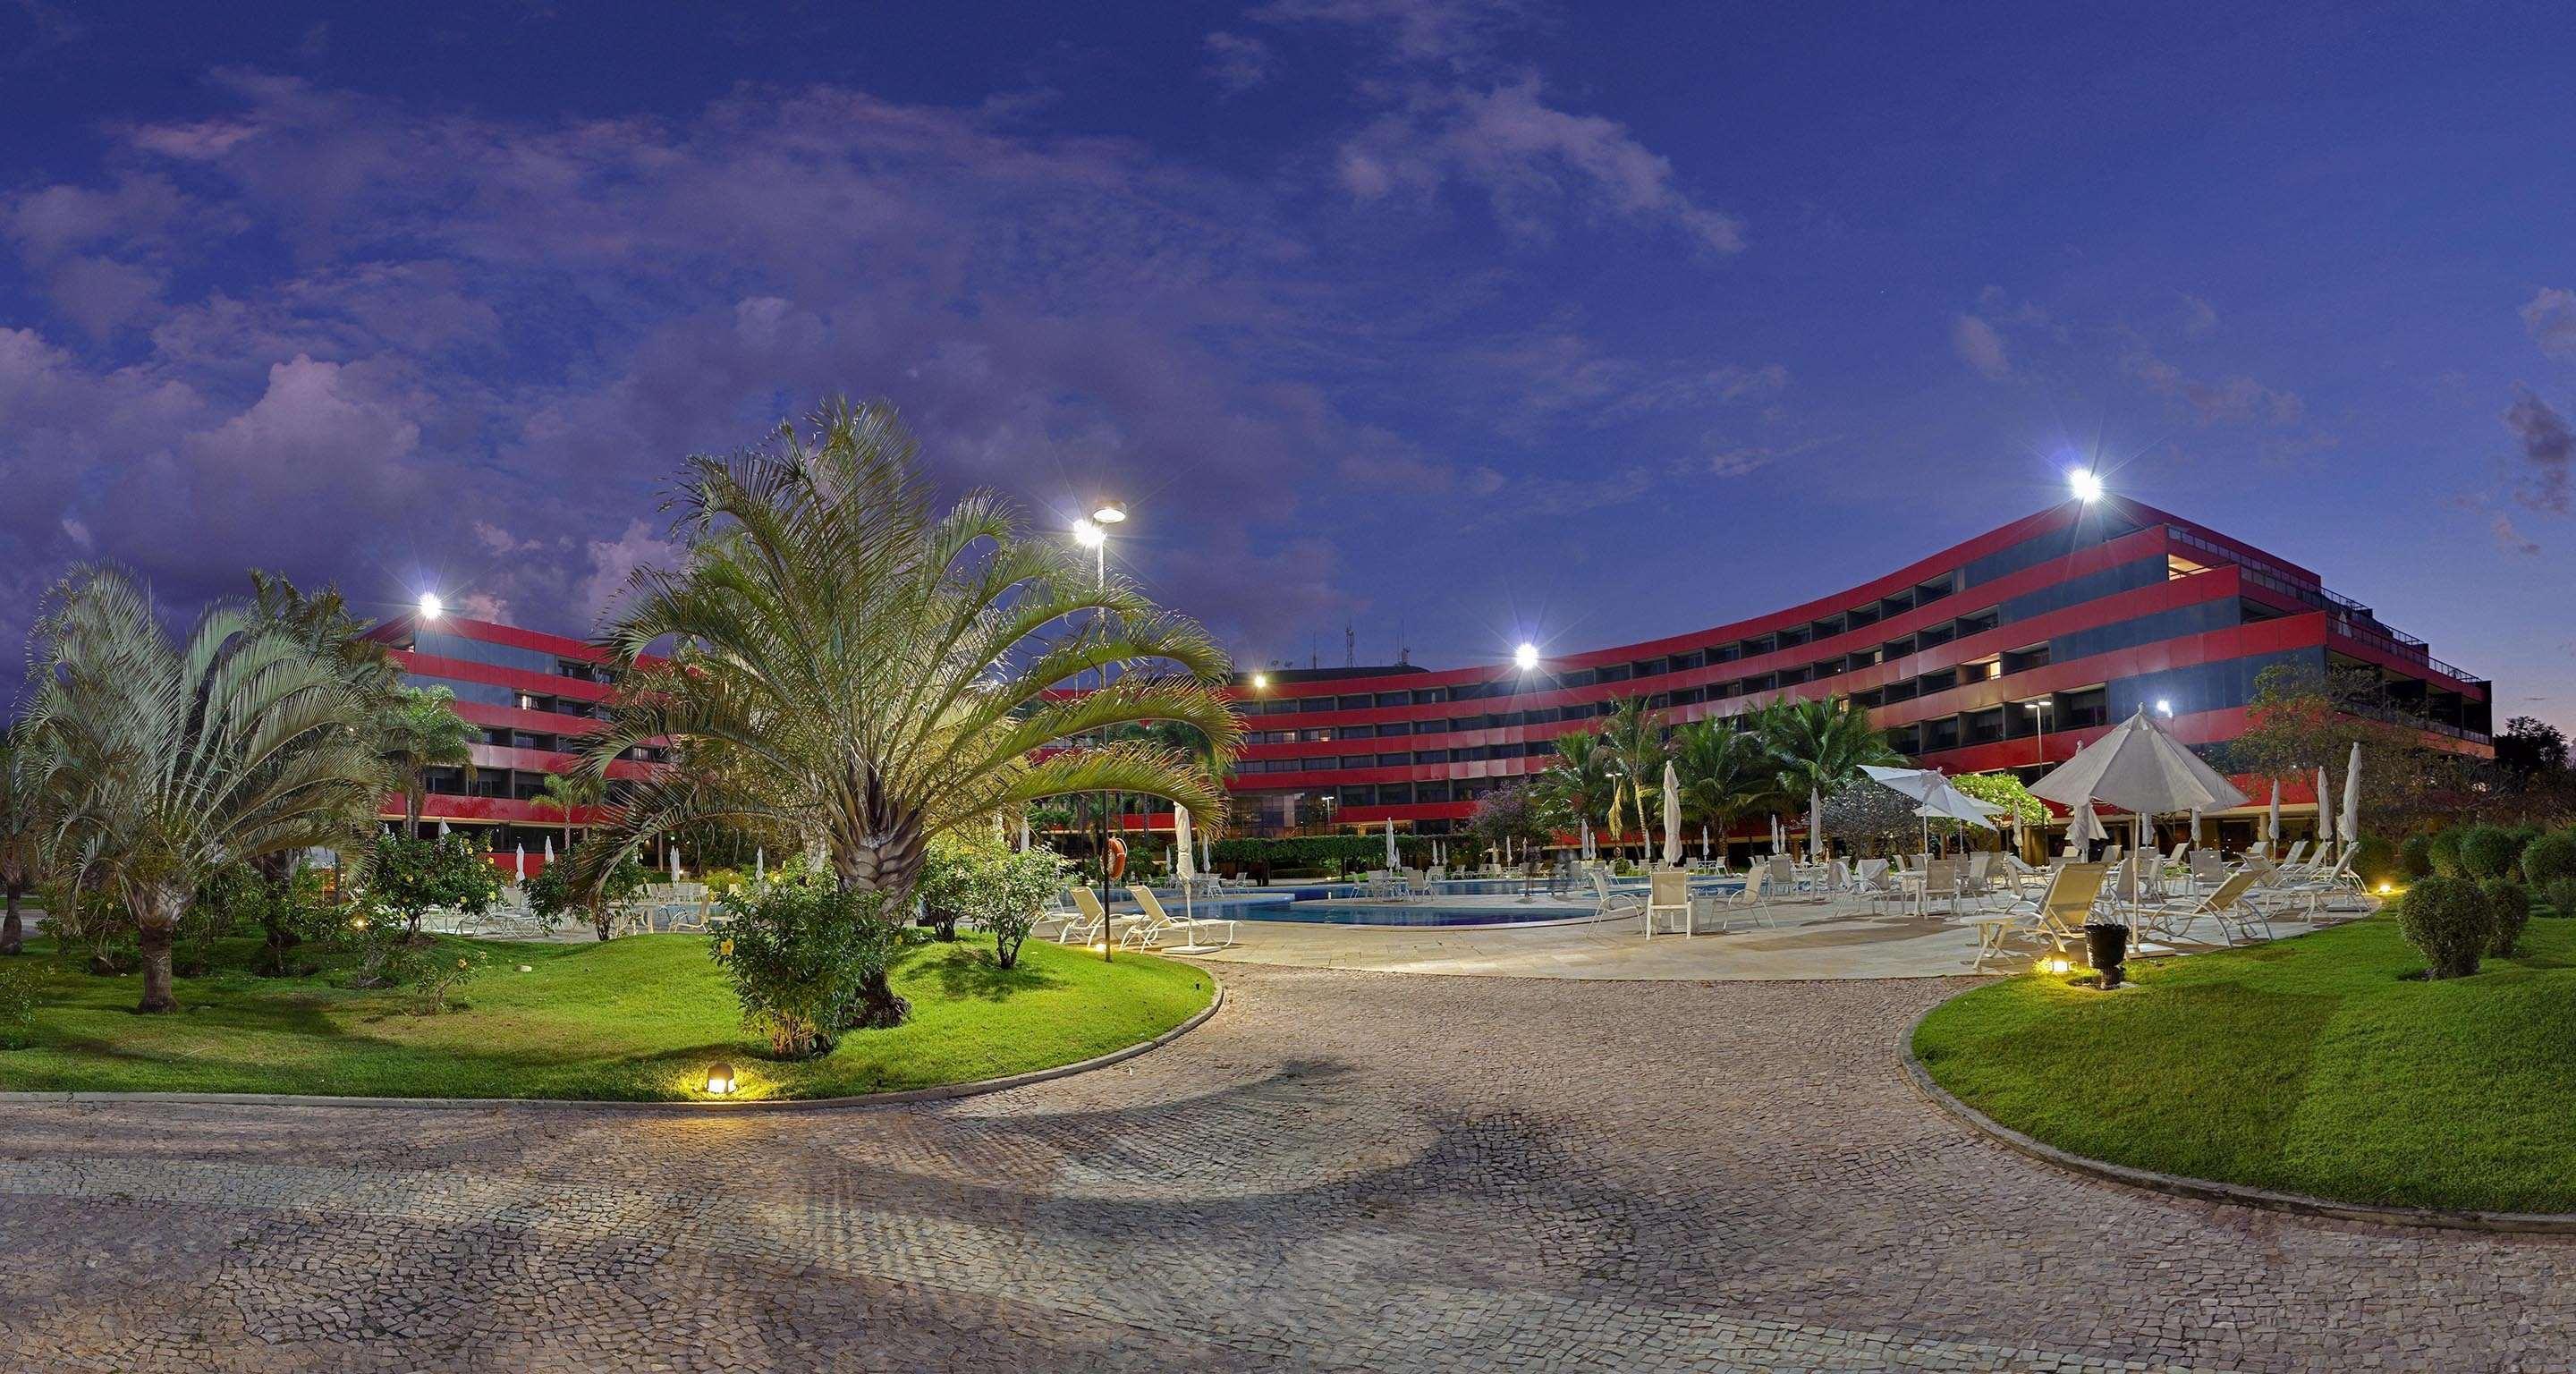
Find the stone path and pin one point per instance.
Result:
(1341, 1171)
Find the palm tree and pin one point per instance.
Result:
(1636, 743)
(1726, 773)
(416, 731)
(565, 793)
(25, 826)
(1584, 778)
(1819, 744)
(176, 759)
(858, 668)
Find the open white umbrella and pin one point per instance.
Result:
(2325, 815)
(2142, 770)
(1672, 816)
(2352, 798)
(1391, 862)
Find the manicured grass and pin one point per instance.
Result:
(2310, 1065)
(637, 1018)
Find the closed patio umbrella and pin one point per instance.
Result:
(1672, 816)
(2352, 798)
(675, 863)
(1584, 847)
(442, 830)
(1390, 844)
(1182, 861)
(1024, 834)
(2272, 824)
(1815, 824)
(760, 859)
(550, 851)
(2084, 827)
(2325, 814)
(519, 862)
(1703, 844)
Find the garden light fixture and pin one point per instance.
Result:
(719, 1079)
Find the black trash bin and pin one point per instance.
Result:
(2106, 948)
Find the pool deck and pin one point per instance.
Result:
(1840, 939)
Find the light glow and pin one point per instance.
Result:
(2086, 484)
(719, 1079)
(2061, 966)
(1089, 535)
(431, 608)
(1109, 513)
(2164, 707)
(1261, 682)
(1525, 657)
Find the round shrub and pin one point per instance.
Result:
(798, 954)
(2374, 860)
(2447, 921)
(2508, 911)
(2442, 855)
(2487, 851)
(2522, 836)
(2415, 857)
(2549, 858)
(2558, 896)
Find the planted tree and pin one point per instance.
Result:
(410, 878)
(558, 892)
(1820, 743)
(566, 793)
(1512, 818)
(860, 669)
(1726, 773)
(234, 743)
(418, 730)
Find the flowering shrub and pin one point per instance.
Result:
(443, 975)
(798, 954)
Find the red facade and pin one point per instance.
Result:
(2087, 611)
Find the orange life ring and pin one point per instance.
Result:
(1117, 857)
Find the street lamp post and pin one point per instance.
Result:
(1093, 534)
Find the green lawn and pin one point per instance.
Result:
(2310, 1065)
(636, 1018)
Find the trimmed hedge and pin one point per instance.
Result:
(2549, 858)
(2488, 851)
(2415, 857)
(2442, 855)
(2447, 920)
(2508, 911)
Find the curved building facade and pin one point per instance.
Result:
(2009, 651)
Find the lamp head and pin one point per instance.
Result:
(1525, 657)
(1109, 512)
(431, 608)
(1089, 535)
(2086, 484)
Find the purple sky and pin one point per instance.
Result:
(1458, 322)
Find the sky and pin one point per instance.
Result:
(1453, 323)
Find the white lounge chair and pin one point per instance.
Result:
(2228, 907)
(1159, 923)
(2057, 915)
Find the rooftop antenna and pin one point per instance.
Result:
(1350, 645)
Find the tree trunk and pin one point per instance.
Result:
(13, 936)
(156, 930)
(887, 863)
(879, 1007)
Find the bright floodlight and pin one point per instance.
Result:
(2087, 484)
(1260, 681)
(1089, 535)
(1525, 657)
(2163, 707)
(431, 608)
(1109, 513)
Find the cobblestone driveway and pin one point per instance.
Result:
(1342, 1170)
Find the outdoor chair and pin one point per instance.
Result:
(1609, 903)
(2228, 908)
(1095, 925)
(1668, 898)
(2056, 915)
(1753, 901)
(1941, 879)
(1148, 932)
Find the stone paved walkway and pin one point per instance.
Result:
(1341, 1171)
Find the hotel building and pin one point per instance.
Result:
(2007, 652)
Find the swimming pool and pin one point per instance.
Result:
(1408, 914)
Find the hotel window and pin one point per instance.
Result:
(1940, 734)
(1611, 672)
(2023, 660)
(1941, 681)
(1928, 592)
(1898, 604)
(1430, 696)
(1792, 637)
(1353, 703)
(1695, 658)
(1859, 616)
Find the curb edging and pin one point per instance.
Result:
(938, 1093)
(2210, 1190)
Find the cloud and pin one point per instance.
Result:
(2550, 317)
(1432, 31)
(2511, 540)
(2231, 400)
(2547, 445)
(1980, 347)
(1237, 61)
(1534, 164)
(2199, 317)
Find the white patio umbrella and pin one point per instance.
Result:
(2325, 815)
(1586, 849)
(2084, 827)
(442, 830)
(1703, 844)
(1672, 816)
(2272, 824)
(1024, 834)
(1391, 862)
(1923, 785)
(2352, 798)
(760, 859)
(1815, 824)
(2195, 827)
(519, 862)
(1181, 858)
(675, 863)
(2142, 770)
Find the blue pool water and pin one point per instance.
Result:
(1408, 914)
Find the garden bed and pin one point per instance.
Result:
(2313, 1065)
(635, 1019)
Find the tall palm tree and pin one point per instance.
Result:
(418, 730)
(1636, 742)
(1726, 773)
(565, 793)
(859, 668)
(26, 819)
(1583, 779)
(175, 759)
(1820, 744)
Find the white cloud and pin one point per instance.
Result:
(1980, 347)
